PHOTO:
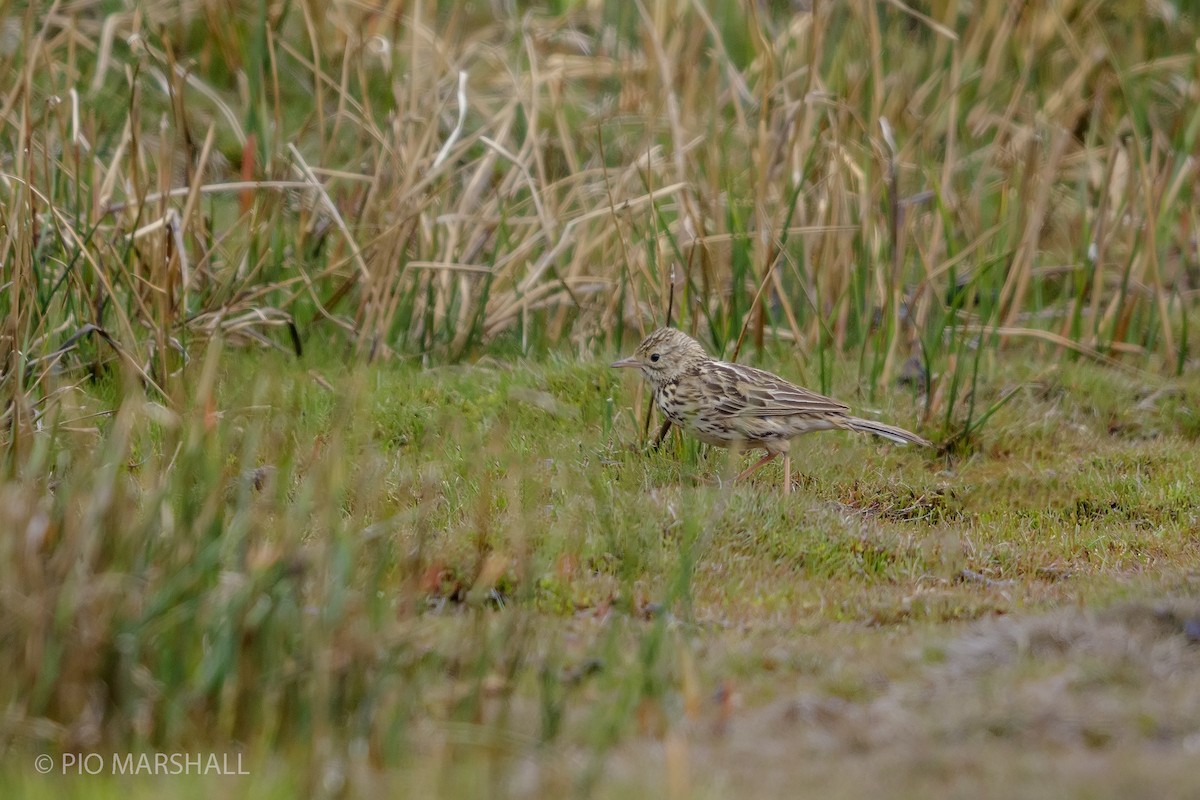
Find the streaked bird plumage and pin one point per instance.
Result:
(733, 405)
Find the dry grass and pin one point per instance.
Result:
(458, 177)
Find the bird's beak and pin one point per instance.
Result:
(626, 362)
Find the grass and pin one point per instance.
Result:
(458, 576)
(310, 452)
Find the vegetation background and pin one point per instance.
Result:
(310, 452)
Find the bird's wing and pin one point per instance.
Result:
(740, 391)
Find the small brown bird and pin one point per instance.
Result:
(731, 405)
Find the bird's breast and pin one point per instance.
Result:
(667, 399)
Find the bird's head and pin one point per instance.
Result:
(665, 355)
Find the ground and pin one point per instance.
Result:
(517, 595)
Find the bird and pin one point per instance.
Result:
(734, 405)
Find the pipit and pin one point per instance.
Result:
(731, 405)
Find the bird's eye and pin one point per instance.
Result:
(655, 357)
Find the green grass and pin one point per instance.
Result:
(475, 576)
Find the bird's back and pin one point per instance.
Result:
(728, 404)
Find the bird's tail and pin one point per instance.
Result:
(889, 432)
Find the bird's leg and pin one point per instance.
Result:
(750, 470)
(787, 473)
(662, 434)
